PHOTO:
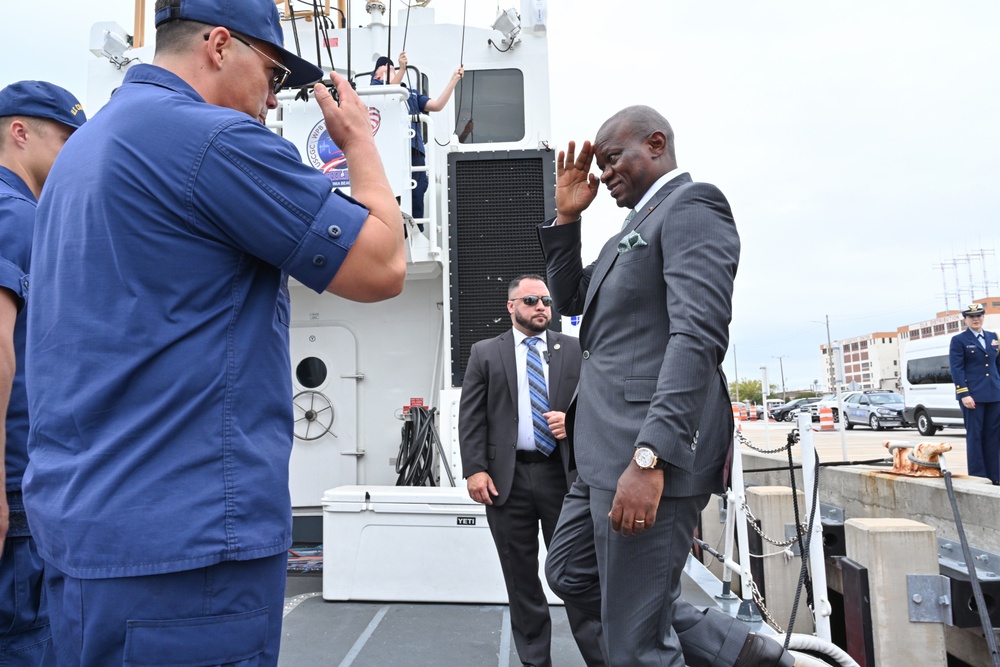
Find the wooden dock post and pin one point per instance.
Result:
(773, 506)
(891, 549)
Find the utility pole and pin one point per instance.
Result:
(829, 357)
(836, 389)
(782, 367)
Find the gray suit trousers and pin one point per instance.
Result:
(595, 584)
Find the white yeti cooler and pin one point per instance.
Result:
(411, 544)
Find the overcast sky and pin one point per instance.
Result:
(858, 142)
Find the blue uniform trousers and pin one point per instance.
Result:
(24, 618)
(225, 614)
(982, 440)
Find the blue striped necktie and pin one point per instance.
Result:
(544, 441)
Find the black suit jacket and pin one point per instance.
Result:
(487, 417)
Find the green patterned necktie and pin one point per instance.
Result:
(628, 218)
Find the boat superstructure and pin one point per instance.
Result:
(356, 368)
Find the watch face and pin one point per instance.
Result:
(644, 457)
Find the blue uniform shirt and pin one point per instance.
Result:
(973, 368)
(157, 351)
(17, 218)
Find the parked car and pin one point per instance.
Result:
(875, 408)
(829, 401)
(789, 410)
(772, 404)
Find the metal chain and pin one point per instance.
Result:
(758, 598)
(746, 443)
(755, 524)
(793, 437)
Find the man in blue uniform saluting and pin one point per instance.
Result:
(973, 358)
(158, 351)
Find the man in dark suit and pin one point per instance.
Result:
(651, 424)
(973, 360)
(517, 461)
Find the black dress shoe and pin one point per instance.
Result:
(759, 651)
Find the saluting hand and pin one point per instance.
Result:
(576, 187)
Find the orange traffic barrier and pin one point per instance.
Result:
(736, 412)
(752, 413)
(826, 419)
(743, 413)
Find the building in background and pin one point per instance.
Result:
(872, 361)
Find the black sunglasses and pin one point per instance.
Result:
(532, 300)
(279, 73)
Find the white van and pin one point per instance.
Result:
(928, 391)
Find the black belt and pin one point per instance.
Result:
(535, 456)
(18, 526)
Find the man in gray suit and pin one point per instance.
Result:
(651, 424)
(517, 461)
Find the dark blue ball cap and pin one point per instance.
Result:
(382, 60)
(41, 99)
(254, 18)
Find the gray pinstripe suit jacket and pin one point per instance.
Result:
(654, 333)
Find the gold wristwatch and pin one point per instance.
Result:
(647, 460)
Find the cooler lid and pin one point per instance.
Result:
(337, 499)
(420, 495)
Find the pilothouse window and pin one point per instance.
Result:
(489, 106)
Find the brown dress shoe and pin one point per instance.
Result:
(759, 651)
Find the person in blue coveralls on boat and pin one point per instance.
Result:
(158, 341)
(973, 359)
(417, 104)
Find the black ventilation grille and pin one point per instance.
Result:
(495, 202)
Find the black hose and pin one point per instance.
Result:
(415, 463)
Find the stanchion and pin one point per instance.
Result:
(817, 564)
